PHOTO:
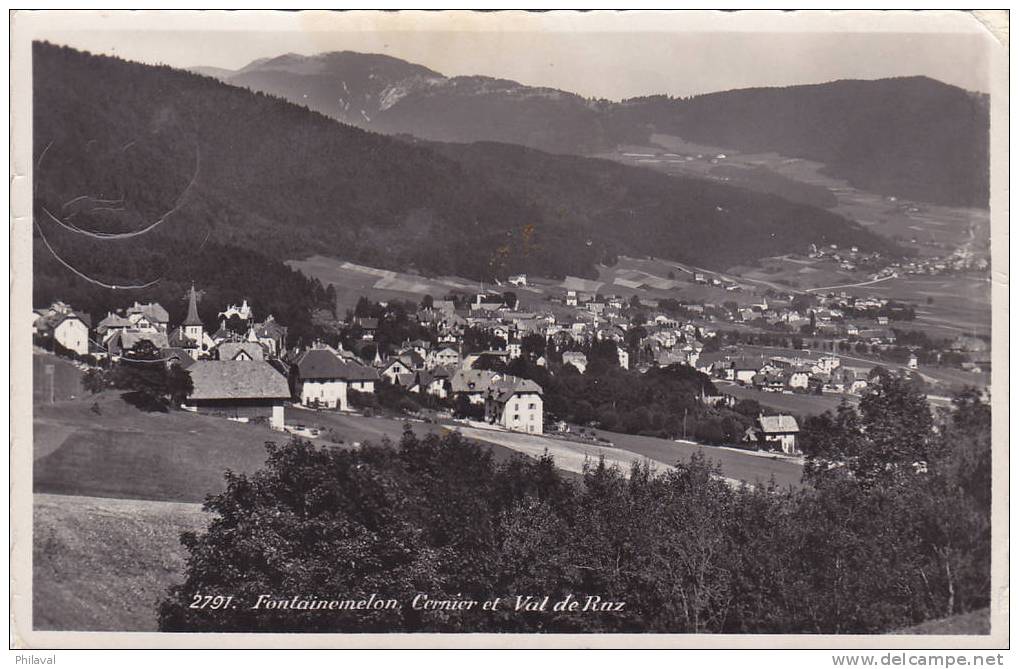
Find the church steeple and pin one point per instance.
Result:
(192, 318)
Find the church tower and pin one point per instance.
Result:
(193, 328)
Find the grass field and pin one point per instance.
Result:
(793, 403)
(66, 378)
(104, 564)
(178, 456)
(126, 453)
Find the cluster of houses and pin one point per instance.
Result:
(246, 372)
(799, 371)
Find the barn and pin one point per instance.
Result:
(238, 389)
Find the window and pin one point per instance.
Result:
(516, 417)
(531, 406)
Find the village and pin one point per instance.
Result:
(790, 354)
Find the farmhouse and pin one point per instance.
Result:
(240, 390)
(774, 432)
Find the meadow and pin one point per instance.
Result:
(103, 564)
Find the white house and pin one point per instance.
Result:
(65, 326)
(71, 332)
(318, 375)
(444, 357)
(515, 404)
(151, 314)
(393, 370)
(797, 379)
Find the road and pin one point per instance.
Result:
(569, 455)
(853, 285)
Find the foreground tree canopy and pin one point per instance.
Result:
(857, 549)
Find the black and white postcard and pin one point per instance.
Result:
(569, 329)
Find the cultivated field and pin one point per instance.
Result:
(104, 564)
(352, 281)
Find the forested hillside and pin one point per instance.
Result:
(221, 184)
(911, 136)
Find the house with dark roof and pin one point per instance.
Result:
(515, 404)
(773, 432)
(472, 383)
(745, 369)
(112, 323)
(323, 378)
(438, 381)
(152, 314)
(239, 390)
(393, 368)
(122, 341)
(271, 334)
(369, 326)
(66, 327)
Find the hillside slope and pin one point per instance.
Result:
(228, 183)
(912, 136)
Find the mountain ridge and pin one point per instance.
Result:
(937, 152)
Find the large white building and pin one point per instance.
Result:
(515, 404)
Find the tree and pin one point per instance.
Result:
(178, 384)
(685, 550)
(888, 439)
(149, 383)
(510, 299)
(94, 380)
(237, 325)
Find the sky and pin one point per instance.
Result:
(612, 57)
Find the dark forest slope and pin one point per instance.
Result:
(253, 180)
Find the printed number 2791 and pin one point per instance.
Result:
(211, 602)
